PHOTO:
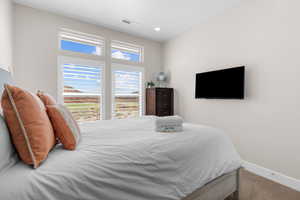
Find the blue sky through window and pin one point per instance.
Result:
(82, 79)
(127, 82)
(85, 79)
(80, 47)
(135, 57)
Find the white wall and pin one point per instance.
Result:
(36, 49)
(264, 35)
(5, 34)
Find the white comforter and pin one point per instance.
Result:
(125, 160)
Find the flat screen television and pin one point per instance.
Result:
(221, 84)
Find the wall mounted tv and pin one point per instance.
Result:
(221, 84)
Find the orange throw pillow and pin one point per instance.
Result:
(46, 98)
(65, 127)
(29, 125)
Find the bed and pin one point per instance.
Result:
(126, 160)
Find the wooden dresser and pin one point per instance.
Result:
(160, 101)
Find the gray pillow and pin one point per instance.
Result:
(5, 77)
(8, 155)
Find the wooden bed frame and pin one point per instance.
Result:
(221, 188)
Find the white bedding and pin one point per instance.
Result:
(125, 160)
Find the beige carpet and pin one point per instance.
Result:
(253, 187)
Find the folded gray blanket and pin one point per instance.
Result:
(169, 124)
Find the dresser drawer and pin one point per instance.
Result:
(163, 98)
(163, 107)
(163, 94)
(162, 113)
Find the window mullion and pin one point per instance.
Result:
(107, 80)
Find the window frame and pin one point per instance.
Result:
(83, 62)
(123, 67)
(105, 60)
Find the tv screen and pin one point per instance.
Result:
(221, 84)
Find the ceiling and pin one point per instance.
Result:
(172, 16)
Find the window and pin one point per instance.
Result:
(81, 43)
(82, 88)
(82, 74)
(125, 51)
(127, 92)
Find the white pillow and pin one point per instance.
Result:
(8, 156)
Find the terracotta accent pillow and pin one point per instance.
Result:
(65, 127)
(29, 125)
(47, 99)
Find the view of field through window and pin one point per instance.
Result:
(83, 92)
(126, 94)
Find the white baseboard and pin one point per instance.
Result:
(273, 175)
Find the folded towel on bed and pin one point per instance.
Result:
(169, 124)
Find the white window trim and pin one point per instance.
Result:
(118, 66)
(85, 62)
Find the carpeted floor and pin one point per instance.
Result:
(253, 187)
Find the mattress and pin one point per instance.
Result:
(125, 160)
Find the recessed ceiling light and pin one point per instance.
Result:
(157, 29)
